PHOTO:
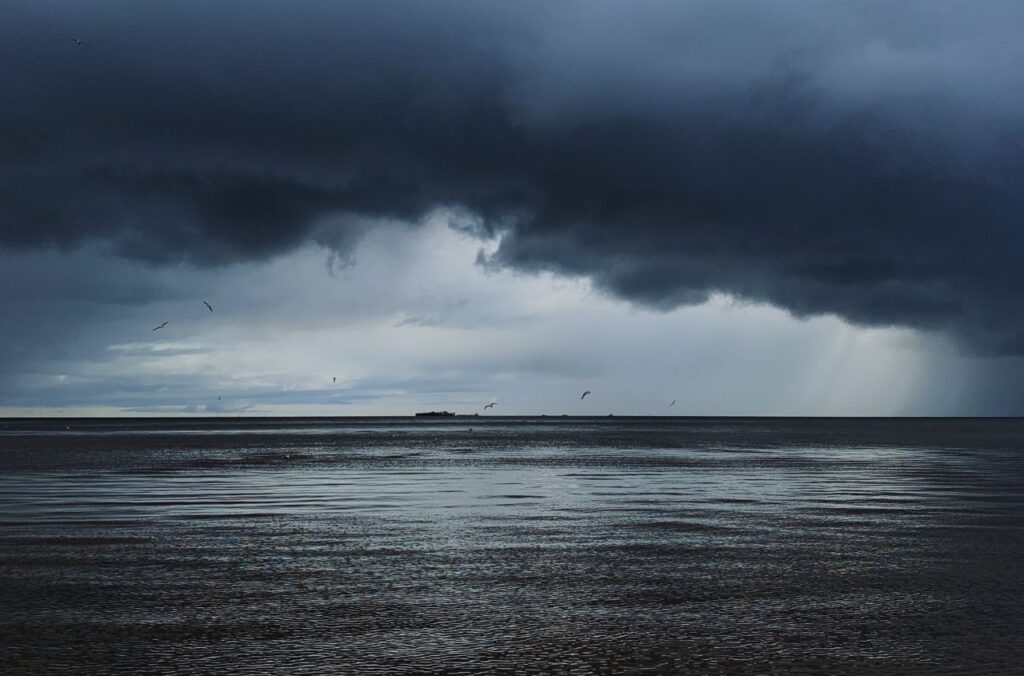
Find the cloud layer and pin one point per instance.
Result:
(416, 325)
(855, 158)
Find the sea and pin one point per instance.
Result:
(473, 545)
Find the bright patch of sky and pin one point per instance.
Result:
(413, 323)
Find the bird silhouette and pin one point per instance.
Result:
(161, 326)
(208, 306)
(78, 43)
(334, 379)
(585, 394)
(490, 405)
(672, 404)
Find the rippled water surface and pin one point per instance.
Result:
(531, 545)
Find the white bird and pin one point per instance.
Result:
(585, 394)
(78, 42)
(490, 405)
(208, 306)
(161, 326)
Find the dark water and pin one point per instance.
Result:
(542, 545)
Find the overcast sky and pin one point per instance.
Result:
(775, 208)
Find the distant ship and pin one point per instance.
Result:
(435, 414)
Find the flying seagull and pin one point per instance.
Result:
(208, 306)
(161, 326)
(490, 405)
(672, 404)
(585, 394)
(78, 42)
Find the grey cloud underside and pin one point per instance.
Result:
(862, 159)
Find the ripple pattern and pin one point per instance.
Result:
(498, 545)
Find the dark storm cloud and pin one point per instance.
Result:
(859, 158)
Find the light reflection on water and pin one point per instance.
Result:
(734, 546)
